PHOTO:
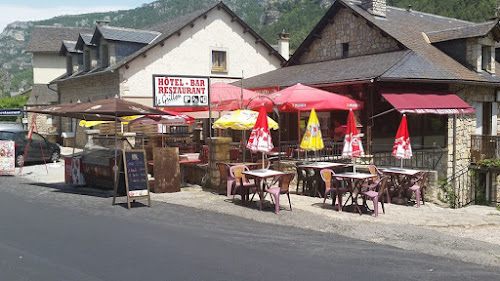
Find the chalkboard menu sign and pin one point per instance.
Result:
(136, 175)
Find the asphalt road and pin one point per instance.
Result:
(52, 234)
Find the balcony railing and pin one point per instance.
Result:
(484, 147)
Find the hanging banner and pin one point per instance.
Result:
(7, 157)
(180, 91)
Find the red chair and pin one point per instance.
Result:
(282, 188)
(327, 175)
(418, 188)
(377, 194)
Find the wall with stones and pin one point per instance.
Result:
(347, 28)
(466, 126)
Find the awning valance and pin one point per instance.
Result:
(423, 102)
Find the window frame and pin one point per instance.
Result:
(218, 68)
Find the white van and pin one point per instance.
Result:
(10, 125)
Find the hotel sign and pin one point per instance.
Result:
(180, 91)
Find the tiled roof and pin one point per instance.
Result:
(124, 34)
(49, 38)
(332, 71)
(83, 40)
(425, 61)
(45, 95)
(473, 30)
(68, 47)
(173, 27)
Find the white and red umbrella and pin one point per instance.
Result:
(260, 138)
(402, 146)
(352, 142)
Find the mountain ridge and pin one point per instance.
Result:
(266, 17)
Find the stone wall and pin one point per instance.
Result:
(362, 39)
(219, 152)
(466, 126)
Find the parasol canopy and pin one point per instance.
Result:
(243, 119)
(260, 138)
(352, 141)
(175, 119)
(304, 98)
(312, 139)
(402, 146)
(223, 97)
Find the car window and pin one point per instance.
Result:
(6, 136)
(38, 138)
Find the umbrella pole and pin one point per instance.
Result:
(401, 163)
(262, 160)
(243, 144)
(115, 167)
(354, 164)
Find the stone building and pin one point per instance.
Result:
(441, 71)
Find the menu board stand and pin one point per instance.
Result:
(136, 176)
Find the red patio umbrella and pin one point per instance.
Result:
(304, 98)
(173, 119)
(402, 146)
(352, 142)
(223, 97)
(260, 138)
(299, 98)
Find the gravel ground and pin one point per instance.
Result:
(470, 234)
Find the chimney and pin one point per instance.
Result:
(284, 44)
(104, 22)
(375, 7)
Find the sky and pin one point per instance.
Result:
(26, 10)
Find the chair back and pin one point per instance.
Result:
(223, 170)
(374, 171)
(284, 182)
(382, 184)
(422, 178)
(326, 176)
(237, 172)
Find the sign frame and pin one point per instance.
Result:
(143, 193)
(181, 90)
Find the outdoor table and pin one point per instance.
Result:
(260, 176)
(356, 180)
(317, 167)
(400, 178)
(250, 165)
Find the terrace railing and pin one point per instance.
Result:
(484, 147)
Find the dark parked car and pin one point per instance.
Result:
(51, 151)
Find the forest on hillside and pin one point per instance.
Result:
(266, 17)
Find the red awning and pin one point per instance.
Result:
(422, 102)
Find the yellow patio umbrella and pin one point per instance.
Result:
(87, 124)
(312, 139)
(242, 119)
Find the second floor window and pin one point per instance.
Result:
(345, 50)
(69, 65)
(105, 56)
(219, 61)
(486, 58)
(86, 60)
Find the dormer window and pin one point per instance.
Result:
(345, 50)
(86, 60)
(105, 56)
(69, 65)
(486, 58)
